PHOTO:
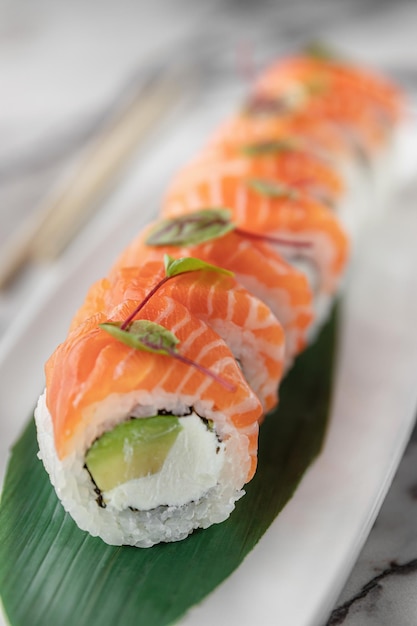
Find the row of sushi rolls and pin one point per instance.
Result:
(149, 423)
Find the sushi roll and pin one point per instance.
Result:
(289, 161)
(246, 324)
(347, 114)
(330, 171)
(317, 242)
(259, 268)
(363, 106)
(148, 426)
(141, 446)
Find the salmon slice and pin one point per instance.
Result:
(246, 324)
(94, 380)
(259, 121)
(299, 219)
(257, 267)
(367, 107)
(367, 84)
(287, 161)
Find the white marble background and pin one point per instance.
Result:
(64, 66)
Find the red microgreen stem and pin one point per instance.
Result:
(202, 369)
(140, 306)
(152, 292)
(293, 243)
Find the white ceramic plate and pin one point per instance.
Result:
(294, 575)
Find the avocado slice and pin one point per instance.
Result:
(132, 449)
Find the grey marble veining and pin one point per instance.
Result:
(381, 590)
(65, 65)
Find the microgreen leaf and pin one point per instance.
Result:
(320, 51)
(270, 147)
(143, 335)
(191, 229)
(151, 337)
(316, 85)
(174, 267)
(272, 189)
(231, 227)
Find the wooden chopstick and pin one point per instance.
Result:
(46, 233)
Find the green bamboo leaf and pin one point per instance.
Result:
(52, 573)
(273, 189)
(174, 267)
(191, 229)
(143, 335)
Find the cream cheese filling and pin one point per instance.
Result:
(191, 468)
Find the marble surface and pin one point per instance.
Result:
(381, 590)
(64, 67)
